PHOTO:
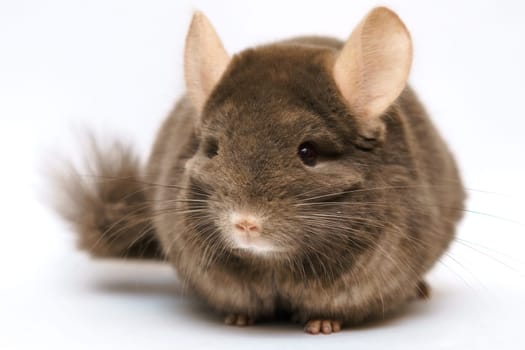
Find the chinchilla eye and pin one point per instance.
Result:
(308, 153)
(212, 148)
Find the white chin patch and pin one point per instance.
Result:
(254, 245)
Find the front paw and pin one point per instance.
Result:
(239, 320)
(322, 326)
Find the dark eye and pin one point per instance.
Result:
(307, 153)
(211, 148)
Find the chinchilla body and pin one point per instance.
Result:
(302, 176)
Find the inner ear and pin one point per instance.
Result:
(205, 60)
(372, 68)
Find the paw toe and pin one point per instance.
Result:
(239, 320)
(322, 326)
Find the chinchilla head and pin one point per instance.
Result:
(292, 140)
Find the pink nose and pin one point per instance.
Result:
(247, 225)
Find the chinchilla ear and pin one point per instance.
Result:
(372, 68)
(205, 60)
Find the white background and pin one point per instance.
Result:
(116, 68)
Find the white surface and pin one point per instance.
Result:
(115, 66)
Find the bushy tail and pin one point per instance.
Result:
(107, 206)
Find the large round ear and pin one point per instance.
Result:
(372, 68)
(205, 60)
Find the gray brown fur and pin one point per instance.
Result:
(107, 205)
(403, 193)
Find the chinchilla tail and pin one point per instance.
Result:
(107, 205)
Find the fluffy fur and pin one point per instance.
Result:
(358, 232)
(107, 204)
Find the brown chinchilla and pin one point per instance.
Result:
(301, 177)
